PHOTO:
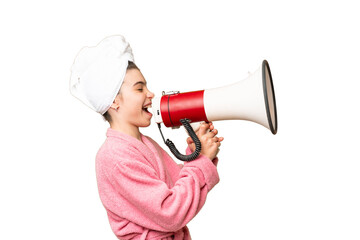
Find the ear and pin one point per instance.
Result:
(114, 106)
(116, 103)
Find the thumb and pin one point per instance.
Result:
(189, 140)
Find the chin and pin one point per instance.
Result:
(145, 124)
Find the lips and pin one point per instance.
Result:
(146, 107)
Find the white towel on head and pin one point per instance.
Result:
(98, 72)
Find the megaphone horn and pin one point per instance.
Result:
(252, 99)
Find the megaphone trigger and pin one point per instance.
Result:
(196, 125)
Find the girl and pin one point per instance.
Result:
(145, 193)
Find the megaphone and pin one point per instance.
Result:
(252, 99)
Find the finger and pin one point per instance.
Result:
(215, 131)
(203, 128)
(189, 140)
(211, 126)
(210, 135)
(221, 139)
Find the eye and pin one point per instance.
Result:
(140, 89)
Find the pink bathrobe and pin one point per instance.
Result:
(145, 193)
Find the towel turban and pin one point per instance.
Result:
(98, 72)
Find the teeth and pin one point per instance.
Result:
(147, 108)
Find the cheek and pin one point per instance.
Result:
(134, 104)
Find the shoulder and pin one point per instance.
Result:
(115, 151)
(152, 141)
(157, 147)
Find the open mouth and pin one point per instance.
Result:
(146, 108)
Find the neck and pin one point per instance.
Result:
(129, 130)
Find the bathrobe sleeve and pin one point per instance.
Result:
(139, 195)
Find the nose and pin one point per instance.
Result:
(150, 95)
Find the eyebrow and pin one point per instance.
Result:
(140, 82)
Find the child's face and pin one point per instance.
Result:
(134, 98)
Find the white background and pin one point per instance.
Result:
(303, 183)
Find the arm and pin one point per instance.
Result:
(141, 197)
(215, 160)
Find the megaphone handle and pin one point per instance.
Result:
(173, 149)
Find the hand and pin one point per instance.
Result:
(210, 143)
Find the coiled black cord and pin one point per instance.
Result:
(173, 149)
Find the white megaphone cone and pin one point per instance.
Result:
(252, 99)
